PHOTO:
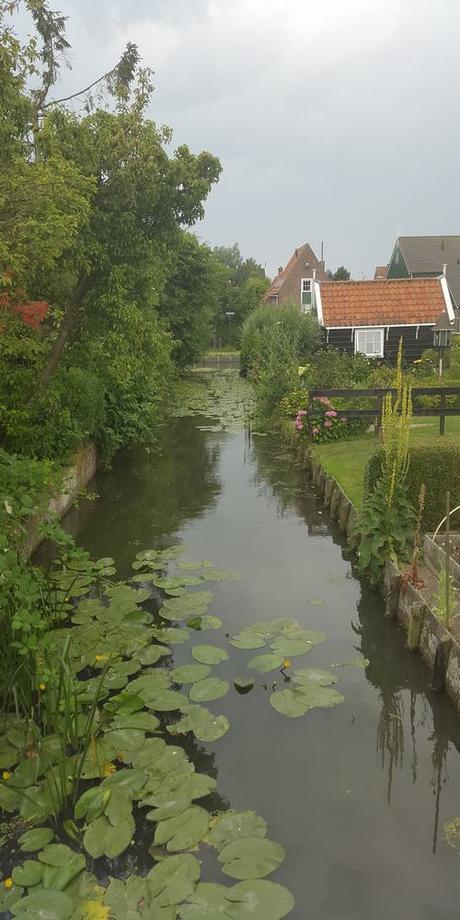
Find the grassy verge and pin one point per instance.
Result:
(346, 460)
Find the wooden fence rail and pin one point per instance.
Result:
(379, 393)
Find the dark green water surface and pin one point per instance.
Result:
(358, 795)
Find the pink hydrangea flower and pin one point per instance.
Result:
(331, 413)
(328, 423)
(324, 400)
(301, 412)
(315, 430)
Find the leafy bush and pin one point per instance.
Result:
(435, 463)
(332, 369)
(275, 341)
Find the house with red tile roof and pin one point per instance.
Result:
(370, 317)
(294, 284)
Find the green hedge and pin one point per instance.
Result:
(437, 464)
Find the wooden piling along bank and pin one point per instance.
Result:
(425, 633)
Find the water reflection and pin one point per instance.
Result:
(149, 495)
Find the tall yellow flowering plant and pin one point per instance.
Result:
(387, 519)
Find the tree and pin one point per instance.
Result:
(190, 299)
(341, 274)
(242, 284)
(93, 210)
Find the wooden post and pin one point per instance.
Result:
(438, 678)
(416, 618)
(378, 417)
(309, 415)
(392, 597)
(447, 560)
(442, 417)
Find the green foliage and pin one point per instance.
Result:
(332, 369)
(385, 529)
(92, 224)
(387, 519)
(435, 463)
(275, 341)
(241, 286)
(190, 299)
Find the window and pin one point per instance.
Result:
(273, 298)
(305, 292)
(369, 342)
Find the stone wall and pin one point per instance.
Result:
(424, 632)
(75, 478)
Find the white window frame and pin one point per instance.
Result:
(306, 307)
(380, 330)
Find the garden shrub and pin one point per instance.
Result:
(435, 463)
(275, 341)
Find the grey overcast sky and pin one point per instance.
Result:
(335, 120)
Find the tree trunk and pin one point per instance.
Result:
(69, 321)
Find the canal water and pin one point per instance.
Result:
(358, 795)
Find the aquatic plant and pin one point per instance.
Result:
(101, 754)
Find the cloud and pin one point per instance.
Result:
(333, 120)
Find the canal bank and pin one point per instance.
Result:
(357, 795)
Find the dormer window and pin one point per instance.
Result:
(305, 292)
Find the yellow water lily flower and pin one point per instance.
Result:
(99, 658)
(109, 768)
(8, 883)
(287, 663)
(42, 686)
(6, 775)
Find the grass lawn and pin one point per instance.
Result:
(346, 460)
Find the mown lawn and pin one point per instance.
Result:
(346, 460)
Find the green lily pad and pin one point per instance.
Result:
(259, 900)
(60, 866)
(248, 639)
(209, 654)
(44, 905)
(212, 688)
(236, 825)
(29, 874)
(151, 654)
(184, 831)
(190, 673)
(178, 608)
(167, 701)
(196, 786)
(291, 648)
(101, 838)
(119, 806)
(204, 622)
(204, 724)
(265, 663)
(36, 839)
(140, 721)
(92, 802)
(316, 601)
(192, 566)
(216, 575)
(250, 857)
(208, 902)
(242, 685)
(174, 879)
(171, 635)
(299, 700)
(308, 676)
(175, 805)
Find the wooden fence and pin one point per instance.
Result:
(442, 410)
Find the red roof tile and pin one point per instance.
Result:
(397, 302)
